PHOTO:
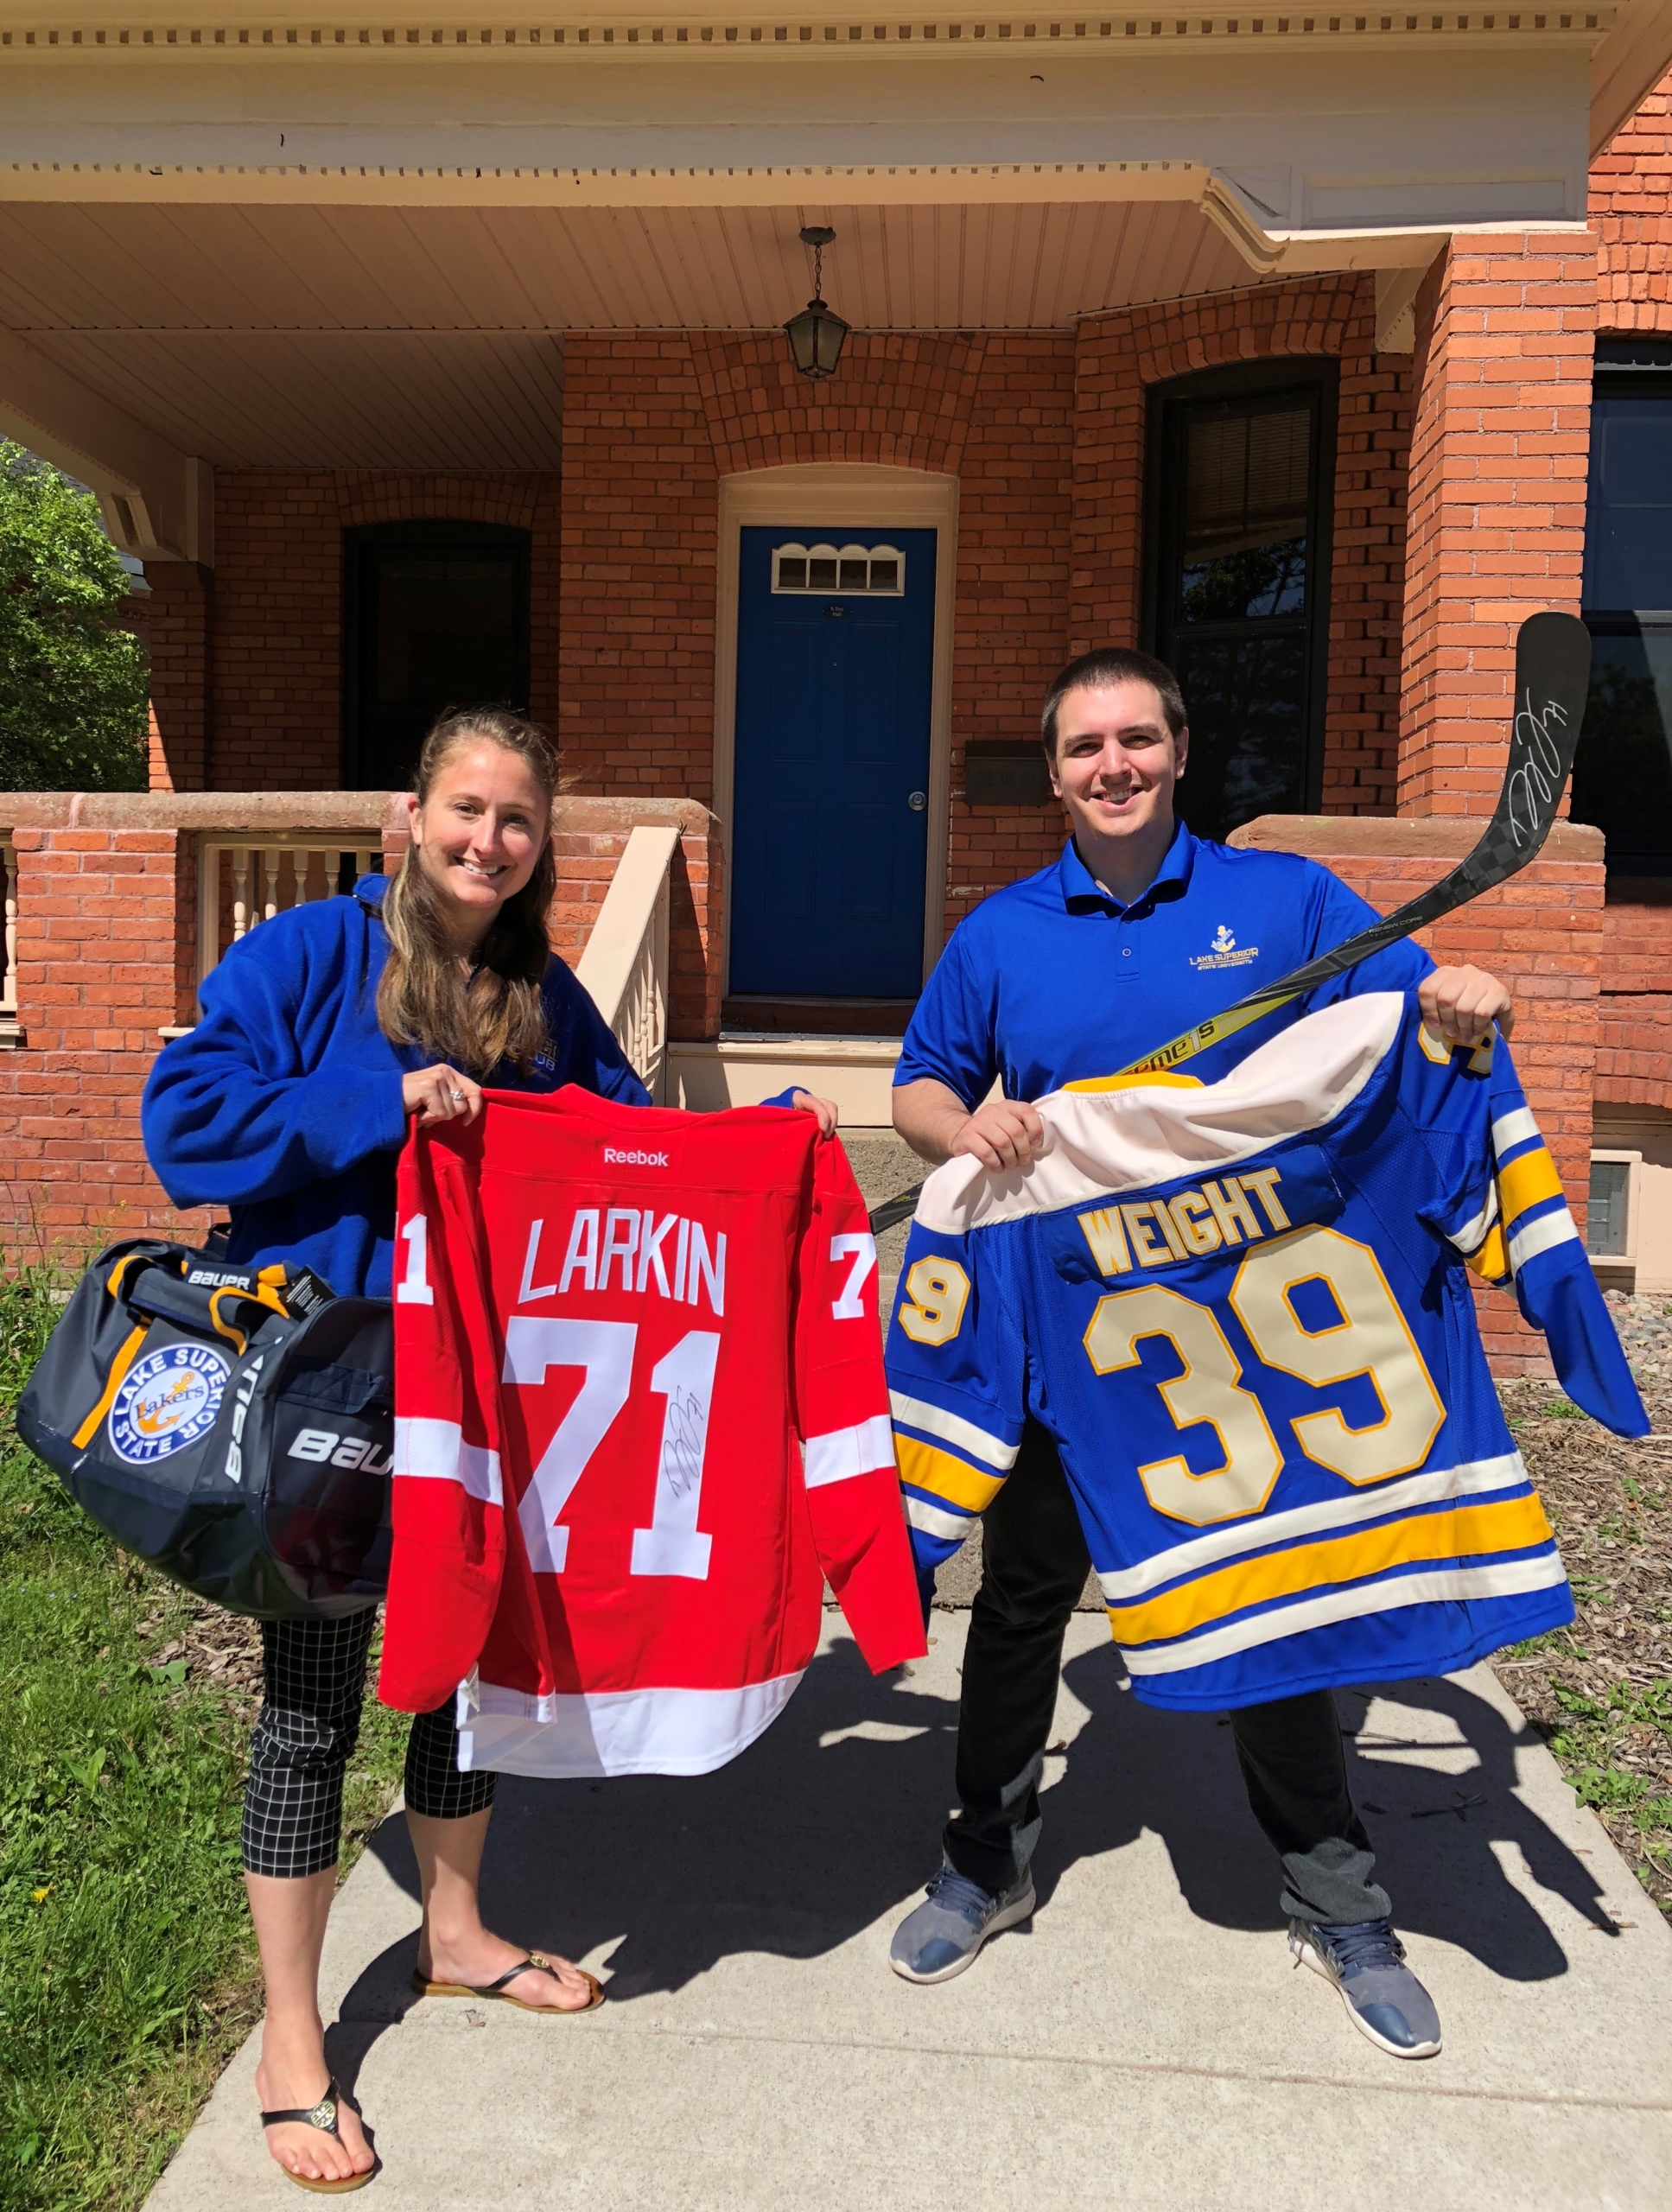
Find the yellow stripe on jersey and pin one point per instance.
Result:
(927, 1467)
(1134, 1080)
(1527, 1181)
(1490, 1260)
(1461, 1534)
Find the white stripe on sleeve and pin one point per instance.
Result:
(436, 1451)
(1511, 1129)
(1540, 1235)
(844, 1452)
(1472, 1235)
(936, 1520)
(917, 1413)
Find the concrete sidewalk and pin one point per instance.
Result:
(1146, 2043)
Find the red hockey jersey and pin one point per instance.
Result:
(640, 1413)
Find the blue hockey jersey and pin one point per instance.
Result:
(1242, 1312)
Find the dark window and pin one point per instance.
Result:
(1238, 591)
(1623, 768)
(435, 615)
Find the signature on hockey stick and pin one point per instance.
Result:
(1535, 773)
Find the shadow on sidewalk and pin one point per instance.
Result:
(1132, 1767)
(817, 1831)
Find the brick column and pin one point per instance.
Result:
(636, 595)
(180, 605)
(1499, 450)
(96, 978)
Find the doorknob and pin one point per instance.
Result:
(917, 801)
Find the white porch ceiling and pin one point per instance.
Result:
(430, 338)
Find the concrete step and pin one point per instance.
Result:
(857, 1073)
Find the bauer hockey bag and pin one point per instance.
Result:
(232, 1426)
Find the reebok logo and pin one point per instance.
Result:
(615, 1158)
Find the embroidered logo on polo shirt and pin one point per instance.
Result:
(1225, 952)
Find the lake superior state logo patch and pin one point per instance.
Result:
(168, 1400)
(1225, 952)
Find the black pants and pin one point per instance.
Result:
(1035, 1565)
(314, 1679)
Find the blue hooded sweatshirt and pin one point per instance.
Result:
(284, 1103)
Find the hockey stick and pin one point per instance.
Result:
(1553, 669)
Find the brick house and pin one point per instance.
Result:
(438, 355)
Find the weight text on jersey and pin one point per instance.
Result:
(1160, 1232)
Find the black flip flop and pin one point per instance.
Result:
(323, 2115)
(496, 1990)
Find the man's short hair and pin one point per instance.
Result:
(1100, 671)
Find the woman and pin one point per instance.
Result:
(321, 1033)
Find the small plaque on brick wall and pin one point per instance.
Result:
(1006, 772)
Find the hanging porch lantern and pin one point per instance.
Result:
(816, 335)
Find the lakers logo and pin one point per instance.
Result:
(168, 1400)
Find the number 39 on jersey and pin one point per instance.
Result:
(1262, 1371)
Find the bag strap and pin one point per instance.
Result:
(124, 1359)
(264, 1294)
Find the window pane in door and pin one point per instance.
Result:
(446, 629)
(437, 617)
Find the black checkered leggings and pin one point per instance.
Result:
(313, 1683)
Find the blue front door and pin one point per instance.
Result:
(829, 821)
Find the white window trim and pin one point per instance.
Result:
(823, 495)
(1628, 1258)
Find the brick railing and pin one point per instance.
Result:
(7, 944)
(121, 899)
(1634, 1057)
(1541, 933)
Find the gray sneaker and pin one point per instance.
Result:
(941, 1937)
(1385, 1999)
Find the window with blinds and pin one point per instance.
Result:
(1238, 593)
(1623, 767)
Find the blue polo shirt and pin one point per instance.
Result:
(1051, 981)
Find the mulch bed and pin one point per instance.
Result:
(219, 1647)
(1601, 1692)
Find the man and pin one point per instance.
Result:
(1138, 931)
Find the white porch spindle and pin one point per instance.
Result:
(267, 879)
(625, 965)
(240, 890)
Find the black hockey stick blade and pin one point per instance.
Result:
(1552, 672)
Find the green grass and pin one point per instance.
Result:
(127, 1974)
(1590, 1744)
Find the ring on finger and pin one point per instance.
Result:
(457, 1096)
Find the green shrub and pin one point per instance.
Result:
(73, 687)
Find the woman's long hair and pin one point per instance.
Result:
(425, 998)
